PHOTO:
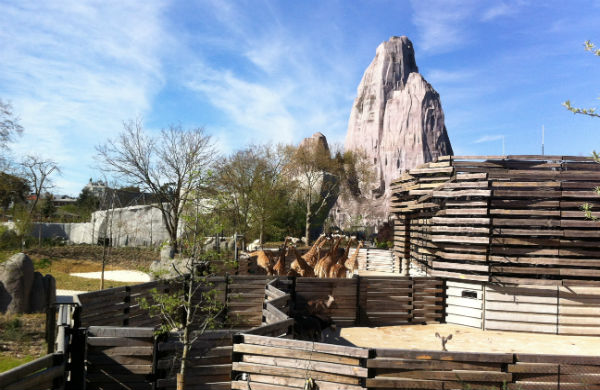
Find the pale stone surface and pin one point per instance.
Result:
(397, 120)
(16, 279)
(21, 289)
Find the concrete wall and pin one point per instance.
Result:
(128, 226)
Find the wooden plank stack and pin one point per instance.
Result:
(386, 301)
(555, 372)
(245, 297)
(407, 369)
(380, 260)
(343, 311)
(277, 363)
(119, 358)
(507, 219)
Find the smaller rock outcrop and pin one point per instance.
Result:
(21, 289)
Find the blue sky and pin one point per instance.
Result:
(278, 71)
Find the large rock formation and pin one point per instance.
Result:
(398, 122)
(21, 289)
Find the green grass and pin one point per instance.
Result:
(8, 362)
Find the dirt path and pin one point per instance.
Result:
(468, 339)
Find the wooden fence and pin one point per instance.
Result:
(119, 358)
(514, 219)
(210, 359)
(47, 372)
(374, 300)
(415, 369)
(276, 363)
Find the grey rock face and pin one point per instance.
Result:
(16, 277)
(397, 121)
(22, 290)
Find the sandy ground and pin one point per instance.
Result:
(117, 276)
(468, 339)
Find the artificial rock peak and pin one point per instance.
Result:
(397, 121)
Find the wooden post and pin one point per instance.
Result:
(50, 327)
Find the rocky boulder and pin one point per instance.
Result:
(398, 122)
(21, 289)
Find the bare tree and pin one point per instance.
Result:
(168, 166)
(9, 128)
(9, 124)
(37, 171)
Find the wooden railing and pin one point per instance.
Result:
(47, 372)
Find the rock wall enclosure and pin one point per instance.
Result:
(397, 121)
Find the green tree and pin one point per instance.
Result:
(13, 190)
(48, 209)
(87, 202)
(252, 188)
(321, 178)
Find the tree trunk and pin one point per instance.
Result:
(307, 228)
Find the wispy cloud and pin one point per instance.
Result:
(441, 23)
(488, 138)
(446, 25)
(275, 86)
(74, 70)
(498, 10)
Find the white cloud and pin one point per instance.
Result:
(488, 138)
(275, 86)
(441, 23)
(74, 70)
(497, 11)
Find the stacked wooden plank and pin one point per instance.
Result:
(245, 297)
(343, 311)
(381, 260)
(428, 300)
(47, 372)
(513, 219)
(521, 308)
(104, 307)
(579, 310)
(276, 363)
(555, 372)
(276, 308)
(209, 361)
(411, 369)
(119, 358)
(385, 301)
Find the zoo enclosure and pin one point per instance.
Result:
(264, 357)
